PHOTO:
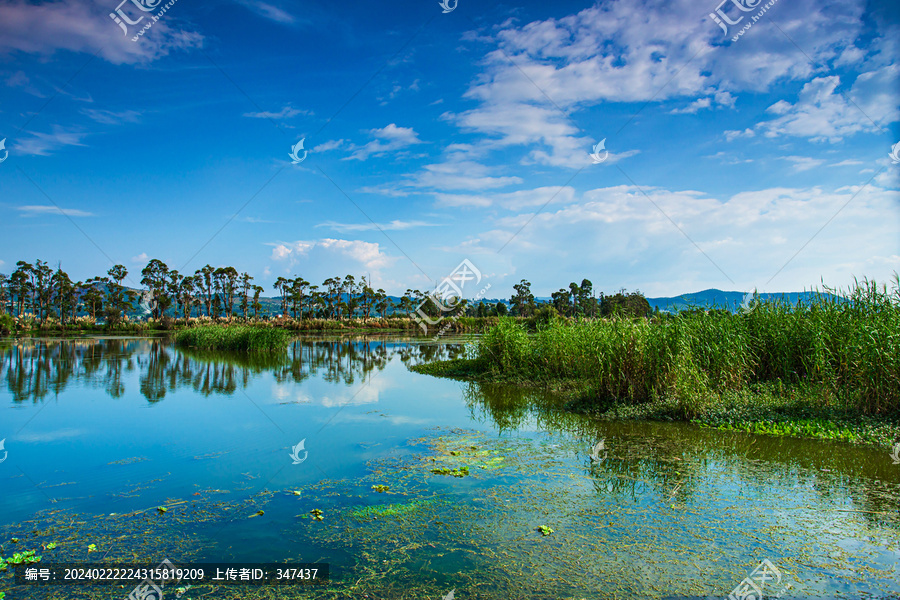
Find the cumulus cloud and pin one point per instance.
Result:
(365, 255)
(749, 236)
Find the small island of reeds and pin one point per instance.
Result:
(827, 368)
(242, 338)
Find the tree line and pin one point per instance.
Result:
(224, 292)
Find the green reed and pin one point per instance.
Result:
(846, 348)
(234, 337)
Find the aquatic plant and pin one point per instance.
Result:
(234, 337)
(847, 348)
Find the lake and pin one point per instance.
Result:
(425, 486)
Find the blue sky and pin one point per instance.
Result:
(435, 137)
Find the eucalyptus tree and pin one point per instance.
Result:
(315, 301)
(185, 294)
(20, 285)
(228, 280)
(63, 296)
(382, 303)
(173, 289)
(560, 301)
(366, 298)
(348, 291)
(257, 290)
(43, 291)
(155, 277)
(246, 278)
(4, 293)
(298, 295)
(116, 274)
(206, 286)
(92, 296)
(280, 286)
(523, 300)
(332, 295)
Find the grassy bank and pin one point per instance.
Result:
(827, 368)
(86, 325)
(237, 337)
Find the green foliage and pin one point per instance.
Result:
(19, 558)
(850, 350)
(238, 337)
(7, 324)
(625, 305)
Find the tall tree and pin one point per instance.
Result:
(246, 278)
(155, 277)
(117, 273)
(523, 300)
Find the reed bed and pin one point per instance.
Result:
(242, 338)
(846, 349)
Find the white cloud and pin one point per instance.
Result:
(803, 163)
(693, 107)
(43, 144)
(619, 232)
(387, 139)
(366, 255)
(395, 225)
(329, 145)
(511, 200)
(140, 258)
(823, 113)
(79, 26)
(269, 11)
(35, 209)
(109, 117)
(285, 113)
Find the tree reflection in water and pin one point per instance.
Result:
(33, 370)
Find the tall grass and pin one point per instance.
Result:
(235, 337)
(848, 350)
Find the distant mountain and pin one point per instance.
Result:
(731, 300)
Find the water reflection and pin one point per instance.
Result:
(673, 462)
(34, 370)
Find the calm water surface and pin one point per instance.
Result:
(99, 432)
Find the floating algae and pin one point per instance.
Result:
(389, 510)
(614, 531)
